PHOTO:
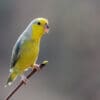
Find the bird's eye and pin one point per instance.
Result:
(38, 23)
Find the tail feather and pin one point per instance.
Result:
(11, 78)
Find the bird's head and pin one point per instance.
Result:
(40, 26)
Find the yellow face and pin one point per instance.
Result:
(40, 26)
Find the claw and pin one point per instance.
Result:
(24, 79)
(37, 67)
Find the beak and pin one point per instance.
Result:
(46, 28)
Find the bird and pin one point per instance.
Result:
(26, 49)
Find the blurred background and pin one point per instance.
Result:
(72, 48)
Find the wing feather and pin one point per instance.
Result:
(15, 54)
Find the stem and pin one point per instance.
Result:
(21, 83)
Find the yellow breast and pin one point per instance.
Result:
(29, 54)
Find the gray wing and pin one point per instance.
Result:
(15, 54)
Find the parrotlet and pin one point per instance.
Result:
(26, 49)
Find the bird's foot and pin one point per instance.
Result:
(24, 79)
(37, 67)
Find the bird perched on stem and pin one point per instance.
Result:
(26, 49)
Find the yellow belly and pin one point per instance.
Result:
(28, 56)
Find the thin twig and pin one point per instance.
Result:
(21, 83)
